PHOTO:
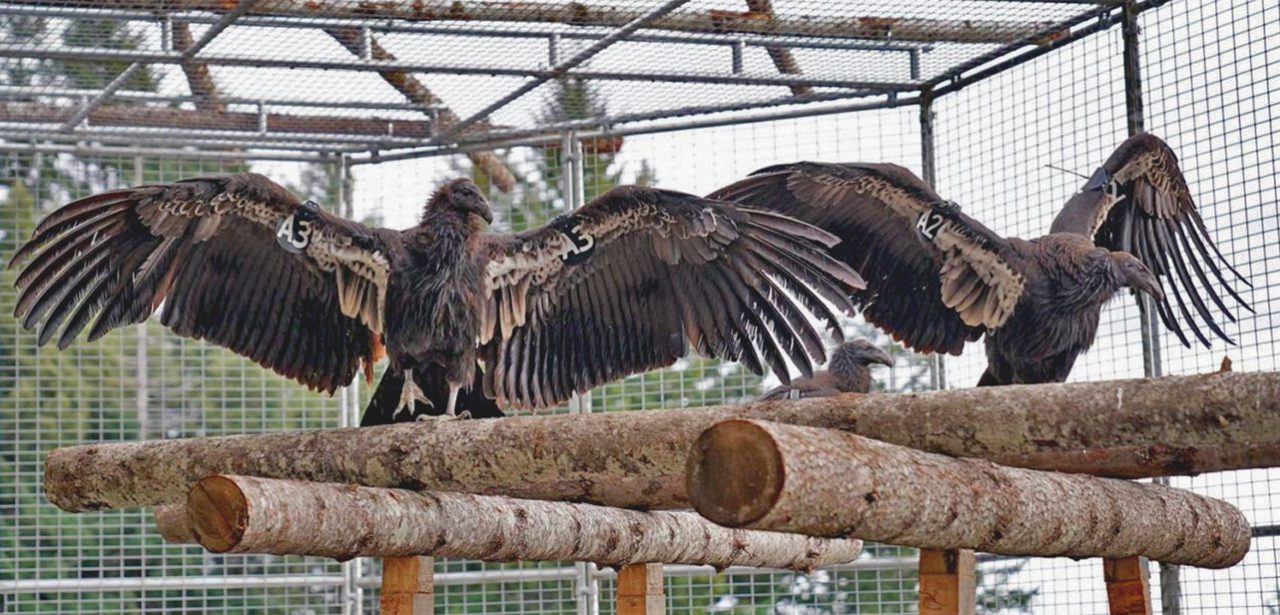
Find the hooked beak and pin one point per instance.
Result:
(482, 210)
(877, 355)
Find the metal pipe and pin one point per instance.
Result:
(104, 151)
(526, 30)
(15, 92)
(561, 68)
(180, 136)
(542, 74)
(647, 129)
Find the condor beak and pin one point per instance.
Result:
(877, 355)
(483, 210)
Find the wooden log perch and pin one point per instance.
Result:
(823, 482)
(1131, 428)
(171, 522)
(593, 14)
(244, 514)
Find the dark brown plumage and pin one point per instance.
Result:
(936, 278)
(622, 285)
(849, 371)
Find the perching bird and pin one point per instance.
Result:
(937, 278)
(849, 371)
(624, 284)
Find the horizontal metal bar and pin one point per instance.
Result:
(806, 111)
(560, 69)
(27, 586)
(160, 57)
(659, 114)
(507, 575)
(177, 141)
(23, 132)
(13, 92)
(79, 149)
(527, 30)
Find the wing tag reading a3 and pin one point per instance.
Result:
(583, 244)
(294, 234)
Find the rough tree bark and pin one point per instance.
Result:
(199, 79)
(417, 92)
(782, 58)
(823, 482)
(171, 521)
(583, 14)
(1132, 428)
(244, 514)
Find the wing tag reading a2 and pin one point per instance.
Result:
(294, 235)
(583, 243)
(929, 224)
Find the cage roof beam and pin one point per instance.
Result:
(186, 55)
(23, 93)
(562, 69)
(873, 27)
(156, 57)
(526, 31)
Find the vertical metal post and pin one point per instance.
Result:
(1152, 366)
(573, 190)
(140, 353)
(351, 594)
(938, 372)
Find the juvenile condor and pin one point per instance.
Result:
(848, 372)
(624, 284)
(937, 278)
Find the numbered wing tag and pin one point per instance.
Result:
(583, 244)
(294, 235)
(930, 223)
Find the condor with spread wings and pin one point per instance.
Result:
(624, 284)
(937, 278)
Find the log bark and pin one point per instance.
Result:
(781, 56)
(823, 482)
(199, 79)
(1133, 428)
(171, 522)
(415, 91)
(244, 514)
(161, 117)
(875, 27)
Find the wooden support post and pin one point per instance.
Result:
(639, 589)
(1128, 592)
(408, 586)
(947, 582)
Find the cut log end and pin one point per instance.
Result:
(735, 473)
(218, 513)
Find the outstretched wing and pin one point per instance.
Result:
(1138, 202)
(935, 277)
(629, 281)
(236, 260)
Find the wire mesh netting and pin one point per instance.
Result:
(98, 94)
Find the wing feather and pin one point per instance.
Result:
(1138, 201)
(914, 282)
(206, 249)
(633, 279)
